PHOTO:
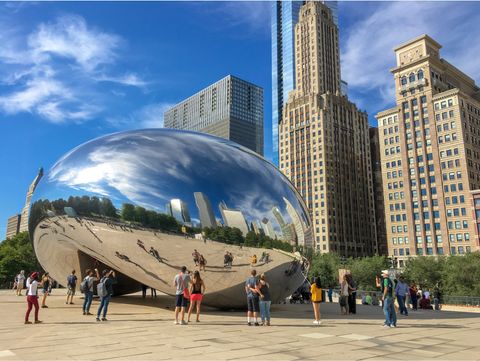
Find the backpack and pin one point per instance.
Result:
(84, 285)
(71, 280)
(102, 288)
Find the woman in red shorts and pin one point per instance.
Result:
(197, 289)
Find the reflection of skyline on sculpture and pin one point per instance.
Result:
(183, 174)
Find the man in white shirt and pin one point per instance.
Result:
(32, 297)
(20, 281)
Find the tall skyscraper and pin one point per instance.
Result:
(13, 226)
(26, 208)
(205, 211)
(324, 141)
(430, 154)
(179, 210)
(233, 218)
(380, 247)
(231, 108)
(284, 17)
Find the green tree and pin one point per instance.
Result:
(460, 275)
(16, 254)
(325, 266)
(365, 269)
(128, 212)
(425, 271)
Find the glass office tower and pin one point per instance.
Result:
(284, 18)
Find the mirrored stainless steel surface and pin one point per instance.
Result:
(139, 201)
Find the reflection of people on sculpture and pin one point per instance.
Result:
(196, 257)
(227, 259)
(155, 254)
(197, 289)
(293, 268)
(253, 260)
(265, 258)
(141, 245)
(202, 263)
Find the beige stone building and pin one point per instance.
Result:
(324, 141)
(430, 154)
(13, 226)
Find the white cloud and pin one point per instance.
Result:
(149, 116)
(70, 37)
(367, 51)
(54, 71)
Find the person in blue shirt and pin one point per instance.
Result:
(401, 290)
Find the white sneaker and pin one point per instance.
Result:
(315, 322)
(176, 322)
(386, 326)
(319, 322)
(184, 323)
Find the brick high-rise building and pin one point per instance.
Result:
(324, 141)
(13, 226)
(430, 151)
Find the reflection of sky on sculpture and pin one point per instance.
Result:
(151, 167)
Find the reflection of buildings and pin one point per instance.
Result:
(268, 228)
(256, 227)
(179, 210)
(26, 208)
(300, 227)
(13, 225)
(429, 147)
(205, 211)
(231, 108)
(288, 234)
(324, 141)
(233, 218)
(284, 17)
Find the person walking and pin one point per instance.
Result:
(105, 292)
(71, 287)
(88, 289)
(197, 289)
(330, 294)
(32, 298)
(46, 283)
(401, 290)
(388, 303)
(316, 292)
(343, 299)
(265, 300)
(413, 295)
(180, 282)
(253, 304)
(20, 279)
(202, 263)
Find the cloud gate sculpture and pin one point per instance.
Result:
(141, 202)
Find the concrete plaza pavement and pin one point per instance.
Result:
(143, 329)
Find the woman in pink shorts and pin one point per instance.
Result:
(197, 289)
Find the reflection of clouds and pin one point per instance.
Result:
(151, 167)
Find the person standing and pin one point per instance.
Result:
(20, 280)
(401, 290)
(437, 298)
(316, 292)
(197, 289)
(71, 287)
(388, 305)
(413, 296)
(352, 294)
(32, 298)
(180, 282)
(144, 290)
(253, 304)
(265, 300)
(88, 287)
(46, 283)
(330, 294)
(343, 300)
(105, 292)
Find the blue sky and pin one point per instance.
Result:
(71, 71)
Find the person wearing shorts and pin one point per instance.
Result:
(180, 282)
(197, 289)
(253, 304)
(71, 286)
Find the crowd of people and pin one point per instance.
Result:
(396, 295)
